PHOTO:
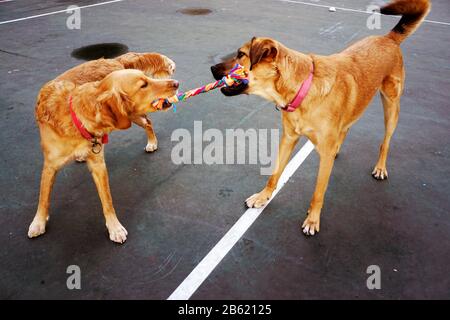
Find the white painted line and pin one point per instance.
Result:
(59, 11)
(350, 10)
(193, 281)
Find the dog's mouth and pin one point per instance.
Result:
(219, 71)
(166, 106)
(234, 90)
(158, 106)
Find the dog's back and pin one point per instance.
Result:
(373, 59)
(152, 63)
(94, 70)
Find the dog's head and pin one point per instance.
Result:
(125, 94)
(260, 57)
(154, 65)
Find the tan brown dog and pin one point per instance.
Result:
(343, 85)
(154, 65)
(101, 107)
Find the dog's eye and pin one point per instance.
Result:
(240, 54)
(144, 85)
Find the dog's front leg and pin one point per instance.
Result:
(37, 227)
(97, 166)
(288, 142)
(311, 225)
(146, 123)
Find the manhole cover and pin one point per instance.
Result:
(195, 11)
(100, 50)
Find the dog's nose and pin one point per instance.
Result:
(213, 69)
(175, 84)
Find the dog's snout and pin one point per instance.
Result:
(215, 72)
(175, 84)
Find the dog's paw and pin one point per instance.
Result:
(117, 232)
(380, 173)
(311, 226)
(37, 227)
(258, 200)
(151, 146)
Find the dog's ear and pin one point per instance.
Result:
(262, 50)
(117, 105)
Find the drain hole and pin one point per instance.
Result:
(100, 50)
(195, 11)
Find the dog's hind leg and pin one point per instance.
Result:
(145, 123)
(391, 91)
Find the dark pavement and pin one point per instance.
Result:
(175, 214)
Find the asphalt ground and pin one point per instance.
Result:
(175, 214)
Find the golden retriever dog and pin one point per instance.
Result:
(342, 86)
(154, 65)
(74, 122)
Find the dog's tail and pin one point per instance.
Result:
(413, 13)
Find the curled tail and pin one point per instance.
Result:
(413, 13)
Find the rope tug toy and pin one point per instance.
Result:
(236, 76)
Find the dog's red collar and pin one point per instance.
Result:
(301, 94)
(86, 134)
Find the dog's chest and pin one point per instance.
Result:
(82, 152)
(299, 124)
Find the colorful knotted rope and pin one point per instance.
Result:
(236, 76)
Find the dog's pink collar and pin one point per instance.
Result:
(301, 94)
